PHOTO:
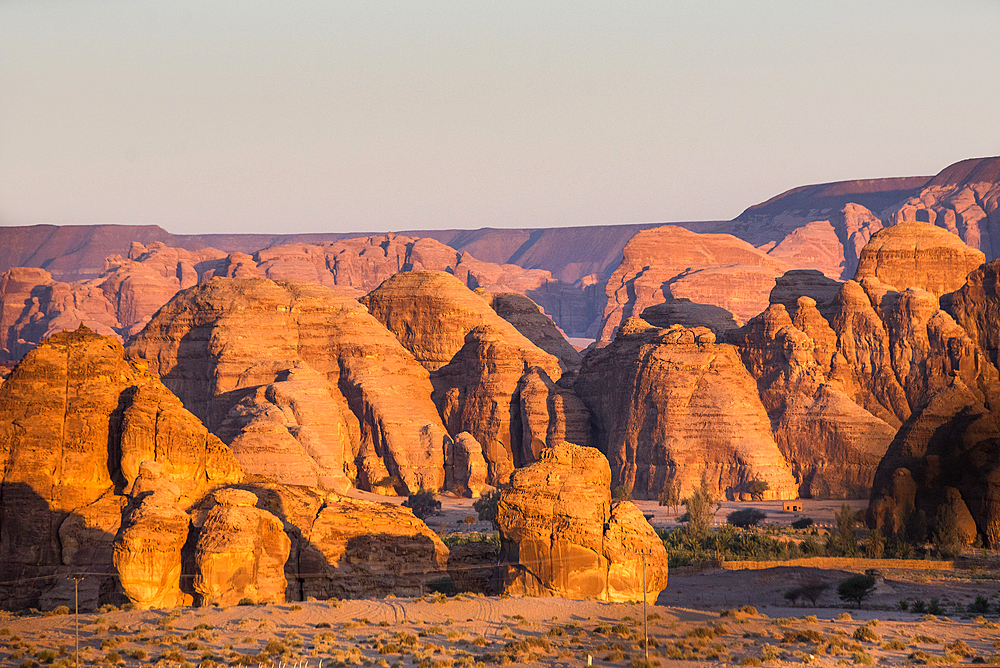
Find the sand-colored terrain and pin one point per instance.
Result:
(687, 624)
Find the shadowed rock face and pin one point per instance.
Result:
(200, 344)
(561, 536)
(976, 307)
(672, 404)
(76, 421)
(945, 459)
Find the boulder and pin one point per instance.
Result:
(356, 548)
(560, 534)
(467, 466)
(241, 552)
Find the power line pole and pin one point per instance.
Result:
(76, 615)
(645, 618)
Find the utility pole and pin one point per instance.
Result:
(76, 616)
(645, 618)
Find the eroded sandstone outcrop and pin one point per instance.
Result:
(672, 262)
(918, 255)
(199, 344)
(944, 460)
(76, 420)
(561, 535)
(673, 404)
(241, 552)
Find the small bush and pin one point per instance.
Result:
(246, 601)
(866, 634)
(803, 523)
(746, 517)
(863, 658)
(856, 588)
(980, 606)
(934, 607)
(423, 504)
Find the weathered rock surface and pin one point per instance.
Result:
(824, 226)
(199, 344)
(561, 536)
(673, 404)
(963, 199)
(920, 255)
(832, 444)
(241, 552)
(76, 420)
(147, 549)
(465, 466)
(671, 261)
(535, 325)
(687, 313)
(473, 567)
(480, 392)
(947, 455)
(976, 307)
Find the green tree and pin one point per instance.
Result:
(843, 542)
(621, 493)
(856, 588)
(487, 507)
(701, 506)
(947, 537)
(757, 489)
(670, 495)
(746, 517)
(423, 504)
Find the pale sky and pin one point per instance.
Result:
(309, 116)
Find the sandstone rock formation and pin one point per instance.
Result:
(963, 199)
(76, 420)
(920, 255)
(561, 536)
(687, 313)
(465, 466)
(198, 344)
(945, 459)
(361, 548)
(670, 261)
(976, 307)
(673, 404)
(481, 391)
(147, 549)
(536, 326)
(832, 444)
(241, 552)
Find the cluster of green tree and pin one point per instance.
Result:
(739, 540)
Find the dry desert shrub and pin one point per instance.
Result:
(865, 633)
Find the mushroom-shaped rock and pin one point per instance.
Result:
(560, 535)
(241, 552)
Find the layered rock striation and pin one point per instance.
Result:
(373, 420)
(671, 262)
(672, 404)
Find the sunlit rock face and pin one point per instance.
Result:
(918, 255)
(562, 536)
(241, 552)
(308, 364)
(672, 404)
(76, 423)
(489, 379)
(672, 262)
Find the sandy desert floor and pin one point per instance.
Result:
(688, 623)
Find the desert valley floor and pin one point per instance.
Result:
(705, 616)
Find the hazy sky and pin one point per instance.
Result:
(219, 116)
